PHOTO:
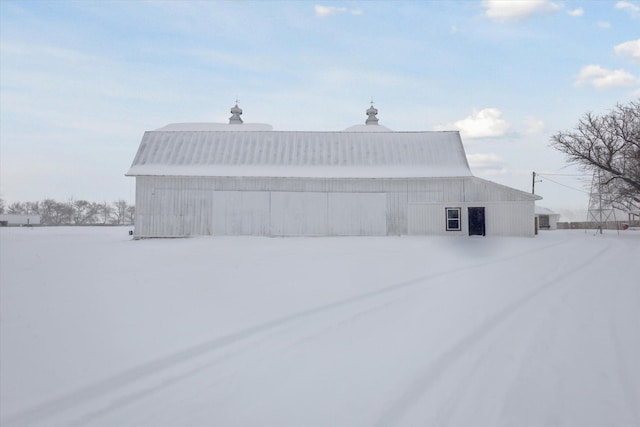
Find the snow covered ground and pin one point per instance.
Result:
(100, 330)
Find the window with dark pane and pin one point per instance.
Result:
(453, 219)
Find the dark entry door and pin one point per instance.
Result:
(476, 222)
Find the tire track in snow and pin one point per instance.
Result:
(130, 398)
(420, 386)
(141, 372)
(630, 393)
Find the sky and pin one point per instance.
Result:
(81, 81)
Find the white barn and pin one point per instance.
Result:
(547, 219)
(246, 179)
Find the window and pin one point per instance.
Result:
(453, 219)
(544, 221)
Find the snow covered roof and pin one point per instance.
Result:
(218, 127)
(199, 150)
(368, 128)
(544, 211)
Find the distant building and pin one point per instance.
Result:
(546, 218)
(19, 219)
(246, 179)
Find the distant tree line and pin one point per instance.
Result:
(74, 212)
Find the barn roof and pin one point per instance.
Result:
(206, 151)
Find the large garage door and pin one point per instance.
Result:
(240, 213)
(357, 214)
(299, 214)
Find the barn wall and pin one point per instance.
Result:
(357, 214)
(427, 201)
(501, 219)
(180, 206)
(239, 213)
(397, 210)
(427, 218)
(509, 218)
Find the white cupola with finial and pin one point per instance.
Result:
(236, 112)
(371, 124)
(234, 120)
(371, 115)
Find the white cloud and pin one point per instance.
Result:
(576, 12)
(485, 123)
(631, 7)
(604, 24)
(630, 49)
(533, 126)
(503, 11)
(323, 11)
(602, 78)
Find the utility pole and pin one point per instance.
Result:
(533, 183)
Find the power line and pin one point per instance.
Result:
(567, 186)
(559, 174)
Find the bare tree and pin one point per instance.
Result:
(73, 212)
(84, 212)
(51, 212)
(68, 211)
(105, 210)
(119, 212)
(32, 208)
(610, 143)
(131, 214)
(16, 208)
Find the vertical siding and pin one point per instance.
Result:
(357, 214)
(509, 219)
(427, 201)
(397, 213)
(501, 219)
(431, 219)
(244, 213)
(179, 206)
(299, 214)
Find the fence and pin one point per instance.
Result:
(591, 225)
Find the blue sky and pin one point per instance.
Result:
(81, 81)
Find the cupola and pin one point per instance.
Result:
(371, 115)
(236, 112)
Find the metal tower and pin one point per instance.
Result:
(600, 203)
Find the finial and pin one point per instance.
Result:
(371, 115)
(235, 114)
